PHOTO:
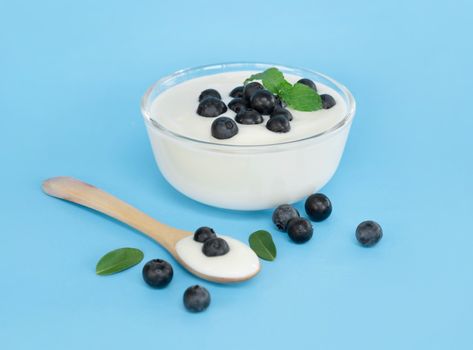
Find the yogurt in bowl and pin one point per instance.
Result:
(257, 168)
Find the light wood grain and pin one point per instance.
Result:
(79, 192)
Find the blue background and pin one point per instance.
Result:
(72, 74)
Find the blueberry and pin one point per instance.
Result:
(318, 207)
(327, 101)
(300, 230)
(224, 128)
(281, 111)
(215, 247)
(263, 101)
(237, 92)
(211, 107)
(196, 298)
(250, 89)
(204, 233)
(157, 273)
(280, 102)
(308, 82)
(237, 104)
(249, 116)
(283, 214)
(369, 233)
(209, 93)
(278, 123)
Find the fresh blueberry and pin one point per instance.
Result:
(280, 102)
(369, 233)
(237, 92)
(308, 82)
(211, 107)
(209, 93)
(204, 233)
(283, 214)
(224, 128)
(215, 247)
(327, 101)
(278, 123)
(249, 116)
(250, 89)
(300, 230)
(157, 273)
(263, 101)
(318, 207)
(196, 298)
(281, 111)
(237, 104)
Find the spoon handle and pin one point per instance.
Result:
(79, 192)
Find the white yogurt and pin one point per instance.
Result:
(239, 263)
(176, 107)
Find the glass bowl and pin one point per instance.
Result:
(246, 177)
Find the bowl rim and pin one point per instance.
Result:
(345, 122)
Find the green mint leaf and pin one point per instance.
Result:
(262, 244)
(258, 76)
(118, 260)
(272, 78)
(302, 98)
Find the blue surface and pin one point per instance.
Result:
(72, 75)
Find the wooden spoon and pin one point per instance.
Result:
(79, 192)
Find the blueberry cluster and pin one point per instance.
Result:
(286, 218)
(318, 208)
(250, 103)
(212, 245)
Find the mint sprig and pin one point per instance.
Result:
(298, 96)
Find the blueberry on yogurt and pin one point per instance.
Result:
(278, 123)
(250, 88)
(237, 92)
(327, 101)
(283, 214)
(281, 111)
(308, 83)
(224, 128)
(204, 233)
(263, 101)
(209, 93)
(249, 116)
(211, 107)
(215, 247)
(196, 298)
(237, 104)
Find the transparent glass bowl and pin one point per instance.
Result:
(246, 177)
